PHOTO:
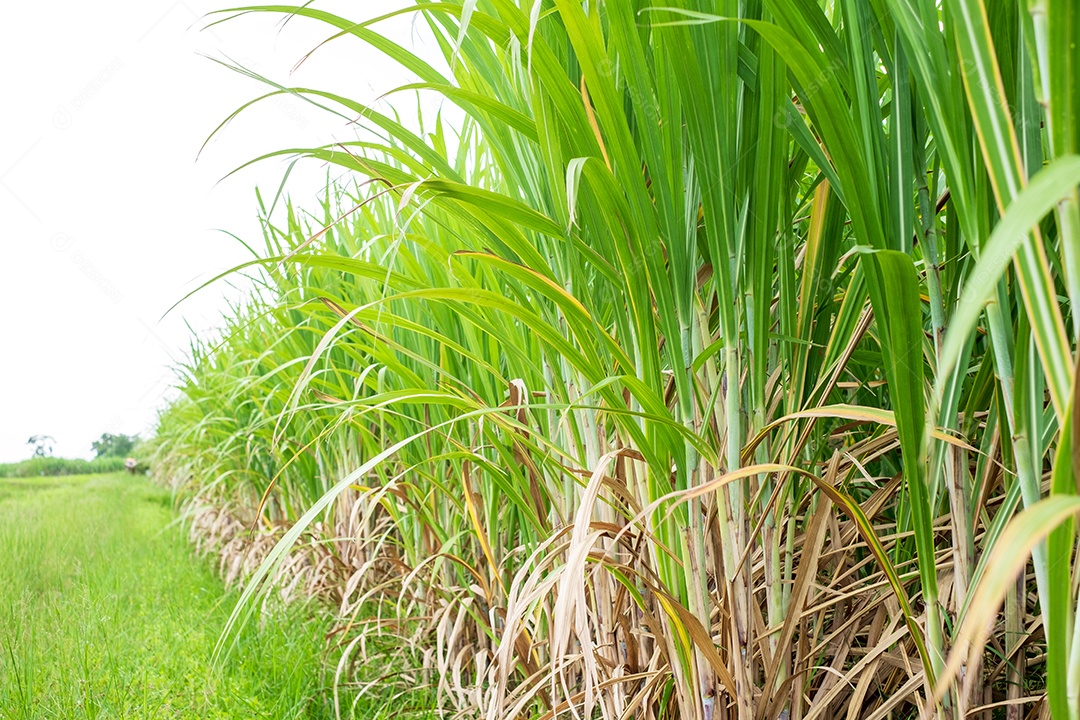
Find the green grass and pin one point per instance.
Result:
(51, 466)
(22, 487)
(105, 613)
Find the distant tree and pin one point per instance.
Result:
(43, 445)
(114, 445)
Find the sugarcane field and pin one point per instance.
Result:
(541, 360)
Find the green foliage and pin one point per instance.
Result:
(52, 466)
(106, 613)
(110, 445)
(701, 329)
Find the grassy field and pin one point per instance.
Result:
(56, 466)
(105, 613)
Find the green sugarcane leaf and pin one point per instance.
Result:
(1054, 182)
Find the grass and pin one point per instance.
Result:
(52, 466)
(105, 613)
(18, 487)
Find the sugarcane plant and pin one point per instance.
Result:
(707, 360)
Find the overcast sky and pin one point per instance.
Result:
(106, 219)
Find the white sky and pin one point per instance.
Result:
(106, 219)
